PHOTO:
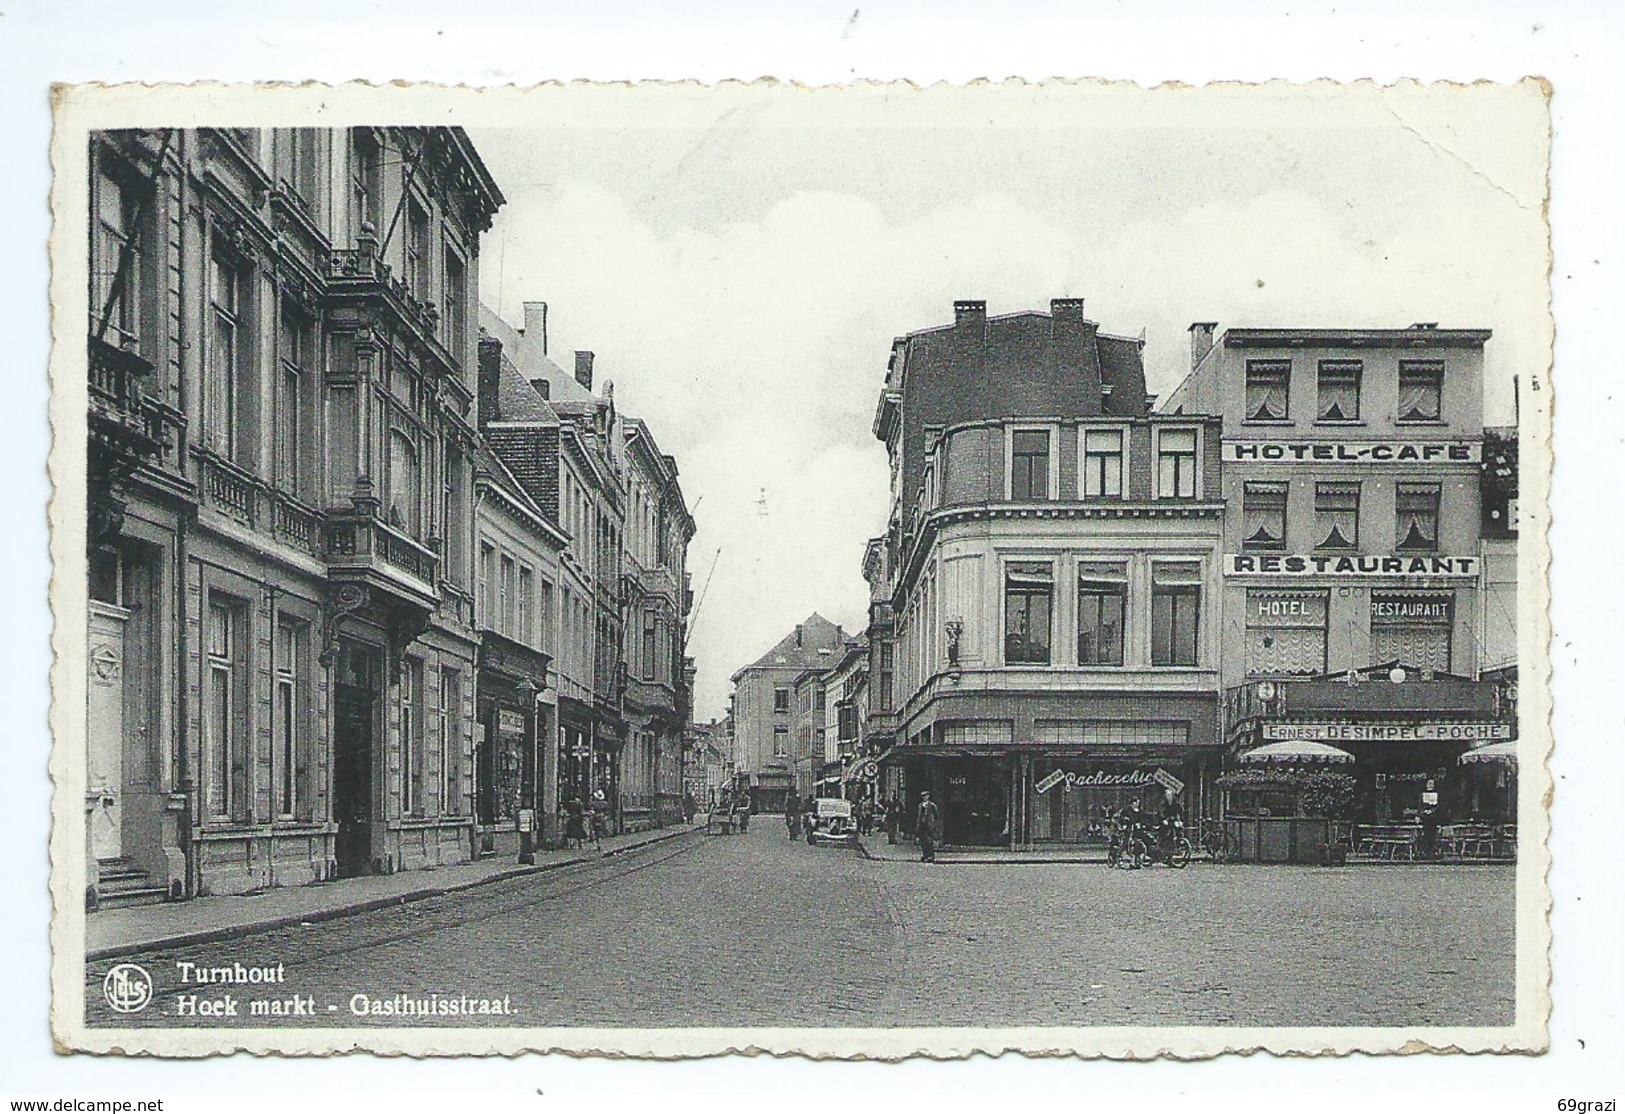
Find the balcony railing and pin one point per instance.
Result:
(122, 415)
(361, 267)
(359, 542)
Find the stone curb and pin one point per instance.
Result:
(316, 916)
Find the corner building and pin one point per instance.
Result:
(1352, 558)
(1052, 570)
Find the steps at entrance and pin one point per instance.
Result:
(120, 883)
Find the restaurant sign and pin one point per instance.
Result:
(1422, 610)
(1074, 780)
(1352, 452)
(1332, 564)
(1388, 732)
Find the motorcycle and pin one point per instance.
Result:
(1133, 847)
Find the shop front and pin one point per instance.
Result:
(508, 760)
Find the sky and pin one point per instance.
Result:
(739, 259)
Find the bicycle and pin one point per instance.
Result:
(1215, 840)
(1167, 844)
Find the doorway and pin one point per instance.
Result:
(975, 802)
(354, 697)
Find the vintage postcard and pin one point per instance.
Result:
(860, 571)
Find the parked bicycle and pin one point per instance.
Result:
(1132, 846)
(1215, 840)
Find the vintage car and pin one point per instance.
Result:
(831, 821)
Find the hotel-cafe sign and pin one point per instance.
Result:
(1352, 452)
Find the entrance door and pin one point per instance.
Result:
(104, 781)
(353, 700)
(975, 802)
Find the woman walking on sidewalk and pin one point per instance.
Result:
(575, 823)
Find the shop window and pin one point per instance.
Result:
(1339, 391)
(1176, 604)
(1286, 633)
(1268, 384)
(1416, 508)
(1412, 628)
(1028, 590)
(1176, 464)
(1421, 386)
(1029, 464)
(411, 706)
(1103, 463)
(1263, 512)
(1337, 515)
(1102, 601)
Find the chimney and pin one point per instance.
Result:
(584, 369)
(1201, 341)
(543, 387)
(1077, 355)
(536, 323)
(971, 315)
(1064, 310)
(798, 636)
(490, 372)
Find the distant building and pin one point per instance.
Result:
(763, 711)
(1049, 580)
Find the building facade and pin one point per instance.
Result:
(763, 711)
(1355, 557)
(281, 381)
(1052, 563)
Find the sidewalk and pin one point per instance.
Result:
(878, 849)
(116, 932)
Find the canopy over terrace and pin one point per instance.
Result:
(1295, 752)
(1505, 751)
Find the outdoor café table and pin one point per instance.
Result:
(1389, 842)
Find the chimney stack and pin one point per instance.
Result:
(1201, 341)
(1065, 310)
(536, 323)
(490, 372)
(1077, 354)
(971, 315)
(543, 387)
(584, 369)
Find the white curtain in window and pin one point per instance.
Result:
(1421, 647)
(1286, 650)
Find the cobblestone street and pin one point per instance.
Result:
(754, 930)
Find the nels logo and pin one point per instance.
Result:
(128, 988)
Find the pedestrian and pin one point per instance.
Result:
(865, 816)
(894, 818)
(575, 823)
(599, 814)
(792, 817)
(926, 822)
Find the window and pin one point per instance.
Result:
(1416, 509)
(1268, 384)
(411, 737)
(224, 368)
(506, 598)
(222, 735)
(1176, 464)
(1412, 629)
(293, 349)
(781, 742)
(1029, 464)
(1176, 598)
(454, 313)
(365, 186)
(1263, 513)
(488, 585)
(523, 629)
(415, 245)
(288, 754)
(298, 163)
(1028, 589)
(452, 516)
(1103, 463)
(1337, 515)
(1421, 383)
(116, 262)
(781, 701)
(1102, 599)
(404, 494)
(649, 634)
(1339, 394)
(1286, 633)
(450, 717)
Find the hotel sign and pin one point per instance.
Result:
(1352, 452)
(1333, 564)
(1387, 732)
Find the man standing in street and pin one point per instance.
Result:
(926, 823)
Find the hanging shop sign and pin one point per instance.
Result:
(510, 722)
(1076, 780)
(1352, 452)
(1332, 564)
(1169, 782)
(1420, 610)
(1388, 732)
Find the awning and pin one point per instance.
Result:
(1505, 752)
(1295, 752)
